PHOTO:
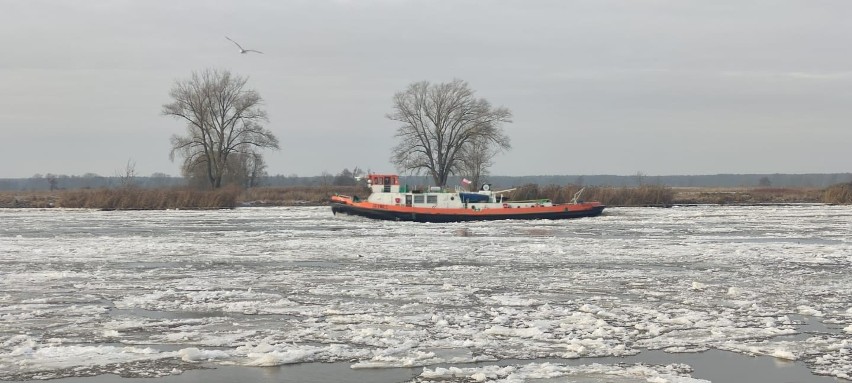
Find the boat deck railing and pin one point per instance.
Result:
(531, 201)
(353, 198)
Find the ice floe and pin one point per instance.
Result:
(156, 293)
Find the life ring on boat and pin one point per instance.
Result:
(505, 206)
(397, 200)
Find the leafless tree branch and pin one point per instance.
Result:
(222, 117)
(438, 124)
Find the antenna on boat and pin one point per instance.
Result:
(358, 174)
(577, 196)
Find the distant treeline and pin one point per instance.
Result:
(63, 182)
(704, 181)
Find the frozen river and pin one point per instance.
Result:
(635, 295)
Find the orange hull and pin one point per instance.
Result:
(346, 205)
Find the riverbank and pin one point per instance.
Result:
(175, 198)
(227, 198)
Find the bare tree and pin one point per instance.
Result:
(255, 169)
(345, 178)
(52, 180)
(127, 177)
(438, 122)
(222, 118)
(476, 157)
(326, 178)
(640, 178)
(247, 168)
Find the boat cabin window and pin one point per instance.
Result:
(381, 179)
(418, 198)
(431, 199)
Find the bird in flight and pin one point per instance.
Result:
(242, 50)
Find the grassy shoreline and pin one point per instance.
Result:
(231, 197)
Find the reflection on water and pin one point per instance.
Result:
(728, 367)
(713, 365)
(295, 373)
(463, 232)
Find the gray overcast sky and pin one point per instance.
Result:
(596, 86)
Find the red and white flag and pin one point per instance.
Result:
(465, 181)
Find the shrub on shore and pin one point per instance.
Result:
(748, 196)
(840, 194)
(298, 195)
(176, 198)
(230, 197)
(36, 199)
(149, 199)
(646, 195)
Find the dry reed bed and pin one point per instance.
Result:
(657, 195)
(298, 195)
(748, 196)
(150, 199)
(230, 197)
(29, 199)
(647, 195)
(838, 194)
(125, 199)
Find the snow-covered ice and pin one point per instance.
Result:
(154, 293)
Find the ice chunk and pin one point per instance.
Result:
(193, 354)
(699, 286)
(783, 354)
(807, 310)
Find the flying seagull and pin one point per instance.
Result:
(243, 51)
